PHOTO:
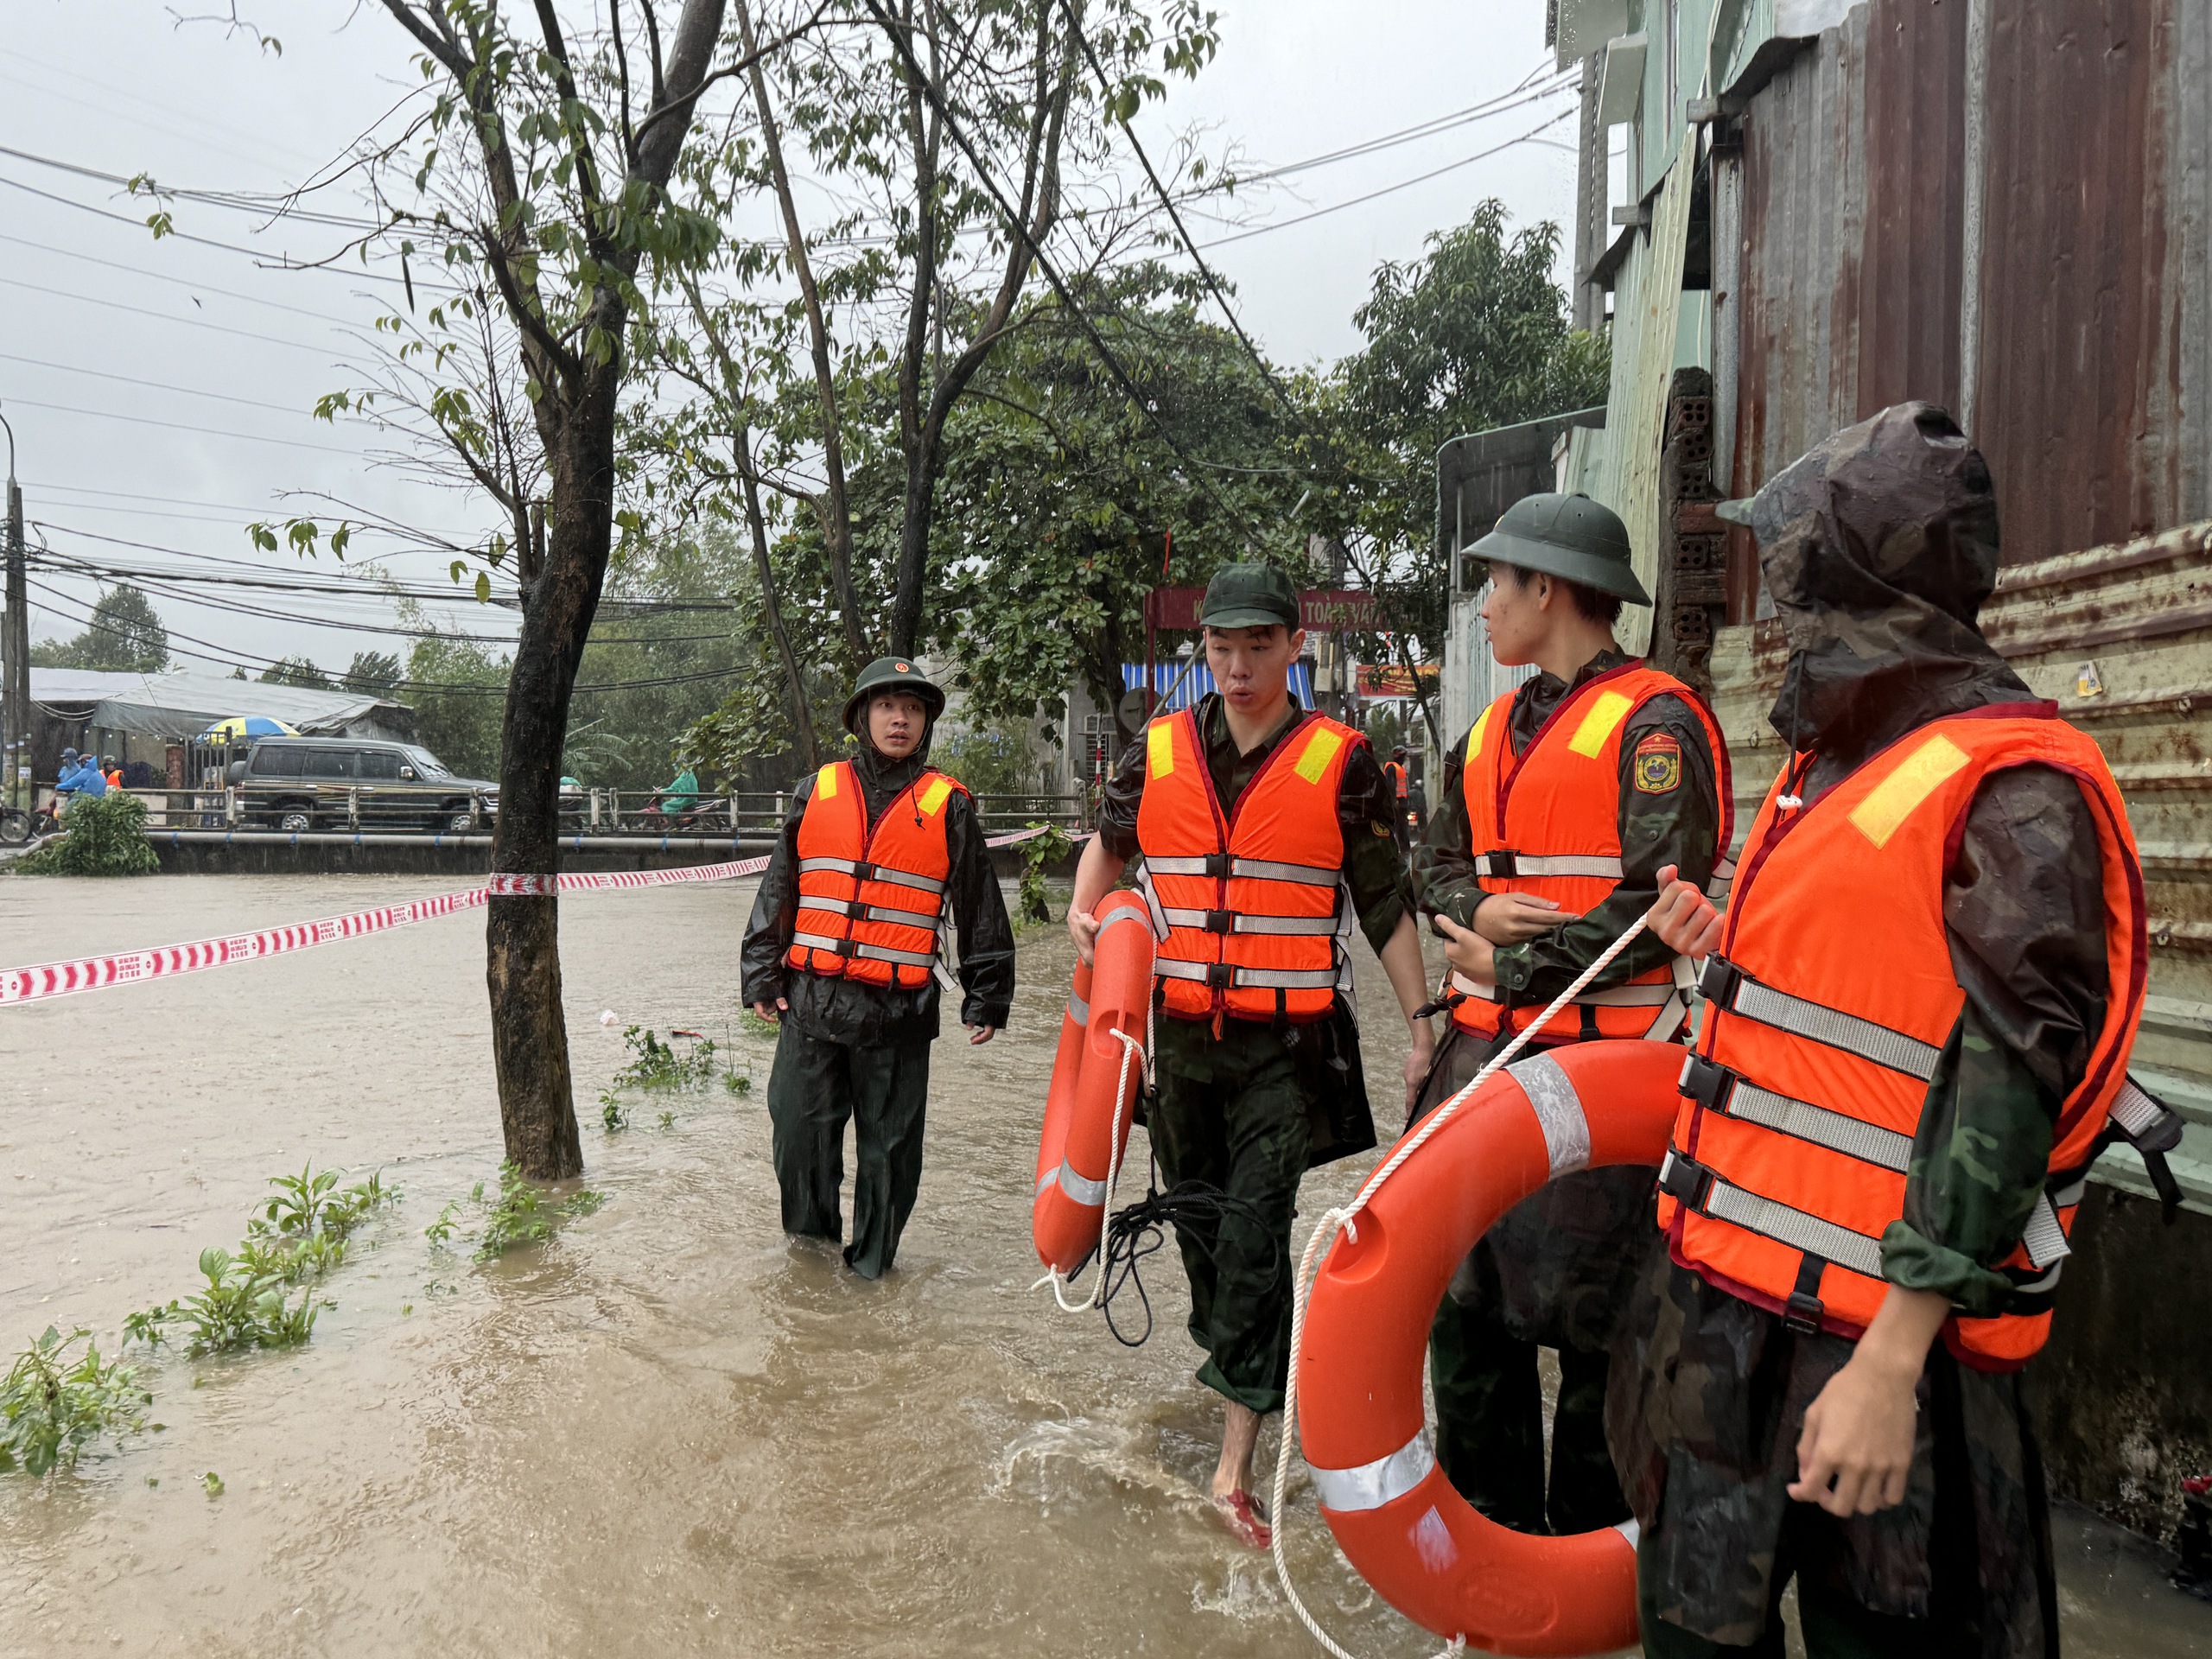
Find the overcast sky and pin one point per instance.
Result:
(160, 392)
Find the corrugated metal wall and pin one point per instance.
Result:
(2093, 322)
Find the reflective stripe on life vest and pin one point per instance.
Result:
(1546, 822)
(1247, 905)
(1793, 1138)
(871, 897)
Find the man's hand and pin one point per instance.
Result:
(1684, 918)
(1516, 917)
(1468, 952)
(774, 1016)
(1418, 1059)
(1856, 1450)
(1083, 928)
(980, 1034)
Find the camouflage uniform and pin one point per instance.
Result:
(1557, 1270)
(1880, 547)
(1248, 1112)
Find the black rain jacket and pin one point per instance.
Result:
(846, 1011)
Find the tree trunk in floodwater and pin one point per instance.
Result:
(530, 1034)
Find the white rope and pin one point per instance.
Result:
(1345, 1219)
(1129, 1046)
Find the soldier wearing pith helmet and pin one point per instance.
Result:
(878, 857)
(1265, 830)
(1557, 812)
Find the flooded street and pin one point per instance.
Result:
(667, 1431)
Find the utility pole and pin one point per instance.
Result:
(16, 649)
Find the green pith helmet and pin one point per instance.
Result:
(891, 673)
(1569, 536)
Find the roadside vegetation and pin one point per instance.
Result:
(106, 836)
(58, 1396)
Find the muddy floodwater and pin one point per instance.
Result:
(670, 1430)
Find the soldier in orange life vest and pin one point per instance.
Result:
(1923, 997)
(879, 856)
(1265, 830)
(1559, 807)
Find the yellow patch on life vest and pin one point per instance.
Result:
(933, 797)
(825, 783)
(1158, 749)
(1606, 713)
(1893, 800)
(1475, 737)
(1320, 749)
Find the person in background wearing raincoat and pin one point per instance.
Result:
(877, 855)
(1609, 771)
(1842, 1189)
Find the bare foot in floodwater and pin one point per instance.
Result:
(1246, 1520)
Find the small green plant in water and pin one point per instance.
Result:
(53, 1402)
(211, 1483)
(242, 1305)
(440, 1232)
(105, 837)
(525, 1214)
(611, 1113)
(655, 1065)
(737, 1083)
(754, 1026)
(1038, 855)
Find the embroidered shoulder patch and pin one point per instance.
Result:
(1658, 764)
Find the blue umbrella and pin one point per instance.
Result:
(239, 726)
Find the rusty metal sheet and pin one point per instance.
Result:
(2080, 396)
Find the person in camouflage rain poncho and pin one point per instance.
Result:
(1879, 547)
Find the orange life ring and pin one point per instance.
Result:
(1080, 1147)
(1401, 1523)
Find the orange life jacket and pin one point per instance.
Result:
(1396, 774)
(1249, 904)
(1546, 822)
(1831, 999)
(870, 895)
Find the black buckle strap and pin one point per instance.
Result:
(1220, 974)
(863, 872)
(1220, 921)
(1803, 1312)
(1218, 865)
(1504, 863)
(1707, 1082)
(1685, 1180)
(1719, 980)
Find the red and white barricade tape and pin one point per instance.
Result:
(53, 979)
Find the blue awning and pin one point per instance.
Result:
(1180, 689)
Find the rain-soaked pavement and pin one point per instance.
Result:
(668, 1431)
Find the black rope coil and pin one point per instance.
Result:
(1195, 1210)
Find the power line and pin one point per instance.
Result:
(157, 385)
(160, 316)
(181, 426)
(181, 282)
(284, 262)
(1402, 184)
(241, 658)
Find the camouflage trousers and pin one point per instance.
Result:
(1232, 1113)
(1554, 1272)
(1707, 1400)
